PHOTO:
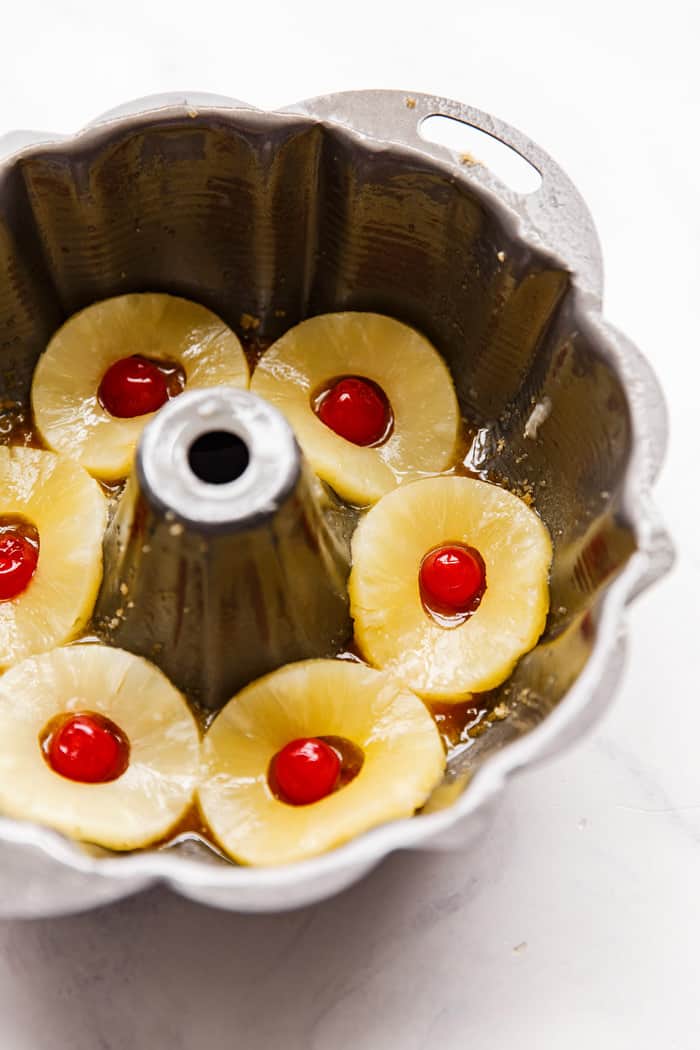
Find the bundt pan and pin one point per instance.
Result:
(340, 204)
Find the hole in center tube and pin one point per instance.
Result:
(478, 147)
(218, 457)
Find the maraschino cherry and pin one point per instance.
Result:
(18, 561)
(88, 748)
(305, 771)
(133, 386)
(452, 580)
(356, 409)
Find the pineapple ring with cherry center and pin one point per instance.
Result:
(403, 759)
(114, 348)
(69, 511)
(133, 809)
(502, 616)
(415, 387)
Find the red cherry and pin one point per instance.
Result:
(88, 748)
(452, 580)
(305, 771)
(18, 560)
(132, 386)
(357, 410)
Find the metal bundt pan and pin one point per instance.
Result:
(339, 203)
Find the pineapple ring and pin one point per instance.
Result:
(67, 412)
(392, 627)
(69, 510)
(403, 759)
(144, 803)
(409, 370)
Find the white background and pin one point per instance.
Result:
(577, 922)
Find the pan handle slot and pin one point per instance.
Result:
(474, 146)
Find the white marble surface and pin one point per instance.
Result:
(577, 922)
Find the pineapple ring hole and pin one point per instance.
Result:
(350, 756)
(19, 526)
(137, 385)
(218, 457)
(19, 555)
(85, 747)
(452, 582)
(356, 408)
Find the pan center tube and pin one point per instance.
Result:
(219, 458)
(221, 561)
